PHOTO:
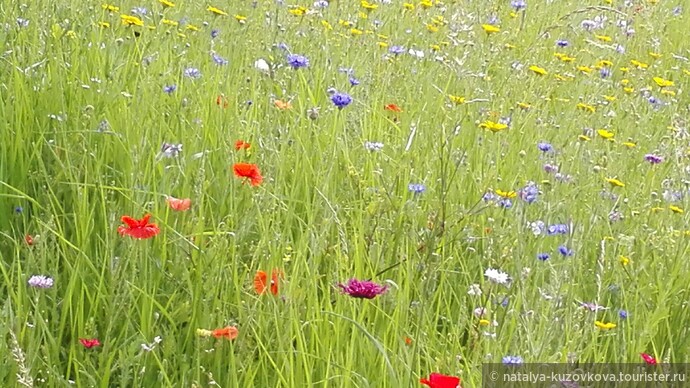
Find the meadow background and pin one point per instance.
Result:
(470, 100)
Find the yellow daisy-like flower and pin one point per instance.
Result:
(638, 64)
(355, 32)
(624, 261)
(408, 6)
(191, 27)
(383, 44)
(655, 55)
(603, 38)
(608, 135)
(484, 322)
(426, 4)
(431, 28)
(615, 182)
(166, 3)
(586, 107)
(629, 90)
(630, 144)
(605, 326)
(524, 105)
(216, 11)
(624, 69)
(456, 99)
(493, 126)
(584, 138)
(609, 98)
(131, 20)
(538, 70)
(169, 22)
(667, 92)
(369, 6)
(326, 25)
(104, 24)
(604, 63)
(676, 209)
(240, 18)
(584, 69)
(110, 7)
(506, 194)
(490, 29)
(662, 82)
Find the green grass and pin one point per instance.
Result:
(329, 209)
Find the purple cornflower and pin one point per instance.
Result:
(171, 150)
(562, 43)
(220, 61)
(214, 34)
(555, 229)
(653, 159)
(550, 168)
(519, 5)
(321, 4)
(543, 256)
(565, 251)
(544, 146)
(505, 203)
(41, 281)
(605, 72)
(141, 11)
(397, 50)
(192, 72)
(283, 46)
(512, 360)
(416, 188)
(354, 81)
(363, 289)
(341, 100)
(623, 314)
(18, 209)
(297, 61)
(169, 88)
(529, 193)
(615, 215)
(489, 196)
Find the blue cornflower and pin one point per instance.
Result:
(354, 81)
(565, 251)
(18, 209)
(562, 43)
(169, 88)
(502, 300)
(623, 314)
(529, 193)
(555, 229)
(519, 5)
(397, 50)
(489, 196)
(321, 4)
(214, 34)
(544, 146)
(192, 72)
(341, 100)
(220, 61)
(141, 11)
(283, 46)
(416, 188)
(493, 20)
(505, 203)
(543, 256)
(512, 360)
(677, 10)
(605, 72)
(296, 61)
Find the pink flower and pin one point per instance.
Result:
(649, 359)
(362, 289)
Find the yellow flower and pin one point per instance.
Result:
(624, 69)
(490, 29)
(110, 7)
(431, 28)
(166, 3)
(240, 18)
(457, 99)
(584, 138)
(604, 63)
(615, 182)
(668, 92)
(676, 209)
(605, 326)
(169, 22)
(538, 70)
(216, 11)
(638, 64)
(509, 46)
(605, 134)
(131, 20)
(655, 55)
(609, 98)
(603, 38)
(484, 322)
(408, 6)
(383, 44)
(629, 90)
(355, 32)
(326, 25)
(686, 71)
(564, 57)
(506, 194)
(367, 5)
(523, 105)
(435, 47)
(426, 4)
(104, 24)
(585, 69)
(586, 107)
(624, 261)
(345, 23)
(630, 144)
(493, 126)
(363, 15)
(662, 82)
(192, 27)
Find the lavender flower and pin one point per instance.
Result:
(518, 5)
(550, 168)
(544, 147)
(297, 61)
(363, 289)
(562, 43)
(192, 72)
(529, 193)
(505, 203)
(169, 88)
(18, 209)
(354, 81)
(565, 251)
(396, 50)
(512, 360)
(40, 281)
(555, 229)
(321, 4)
(623, 314)
(605, 72)
(341, 100)
(653, 159)
(220, 61)
(489, 196)
(543, 256)
(416, 188)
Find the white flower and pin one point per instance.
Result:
(496, 276)
(474, 290)
(479, 312)
(262, 65)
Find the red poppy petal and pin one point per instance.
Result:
(260, 282)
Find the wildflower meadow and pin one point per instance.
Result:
(337, 193)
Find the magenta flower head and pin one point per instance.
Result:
(364, 289)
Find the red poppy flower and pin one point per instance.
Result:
(408, 341)
(229, 332)
(179, 205)
(437, 380)
(140, 229)
(241, 144)
(29, 240)
(250, 171)
(222, 101)
(650, 360)
(89, 343)
(393, 108)
(261, 281)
